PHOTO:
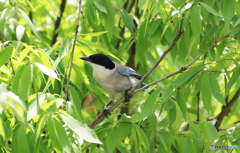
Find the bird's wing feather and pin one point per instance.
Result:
(127, 71)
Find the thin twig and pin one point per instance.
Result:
(74, 43)
(198, 103)
(100, 117)
(213, 45)
(174, 25)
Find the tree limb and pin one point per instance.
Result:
(226, 109)
(74, 43)
(57, 23)
(183, 68)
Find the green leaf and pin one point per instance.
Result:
(66, 47)
(16, 79)
(209, 9)
(189, 146)
(18, 105)
(128, 21)
(40, 124)
(142, 139)
(167, 94)
(3, 97)
(100, 7)
(76, 100)
(198, 141)
(148, 105)
(54, 139)
(22, 140)
(28, 21)
(182, 103)
(47, 71)
(33, 108)
(228, 11)
(154, 122)
(233, 80)
(196, 23)
(216, 89)
(111, 140)
(5, 54)
(83, 131)
(124, 127)
(206, 92)
(142, 43)
(62, 135)
(166, 140)
(185, 76)
(212, 132)
(25, 82)
(172, 114)
(6, 14)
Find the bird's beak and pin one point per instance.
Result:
(85, 58)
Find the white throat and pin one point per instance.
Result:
(100, 73)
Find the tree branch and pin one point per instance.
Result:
(198, 102)
(100, 117)
(226, 109)
(183, 68)
(57, 23)
(74, 43)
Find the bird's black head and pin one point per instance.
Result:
(100, 59)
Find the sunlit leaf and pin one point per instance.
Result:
(20, 30)
(28, 21)
(100, 7)
(5, 55)
(211, 10)
(47, 71)
(25, 82)
(83, 131)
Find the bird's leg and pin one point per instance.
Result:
(105, 109)
(127, 94)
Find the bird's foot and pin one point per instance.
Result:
(127, 94)
(105, 110)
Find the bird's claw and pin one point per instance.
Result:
(127, 94)
(105, 112)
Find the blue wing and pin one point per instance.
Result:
(130, 72)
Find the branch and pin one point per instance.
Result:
(100, 117)
(74, 43)
(226, 109)
(183, 68)
(213, 45)
(198, 101)
(57, 23)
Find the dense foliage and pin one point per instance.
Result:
(201, 70)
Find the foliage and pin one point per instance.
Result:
(34, 117)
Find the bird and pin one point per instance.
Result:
(111, 76)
